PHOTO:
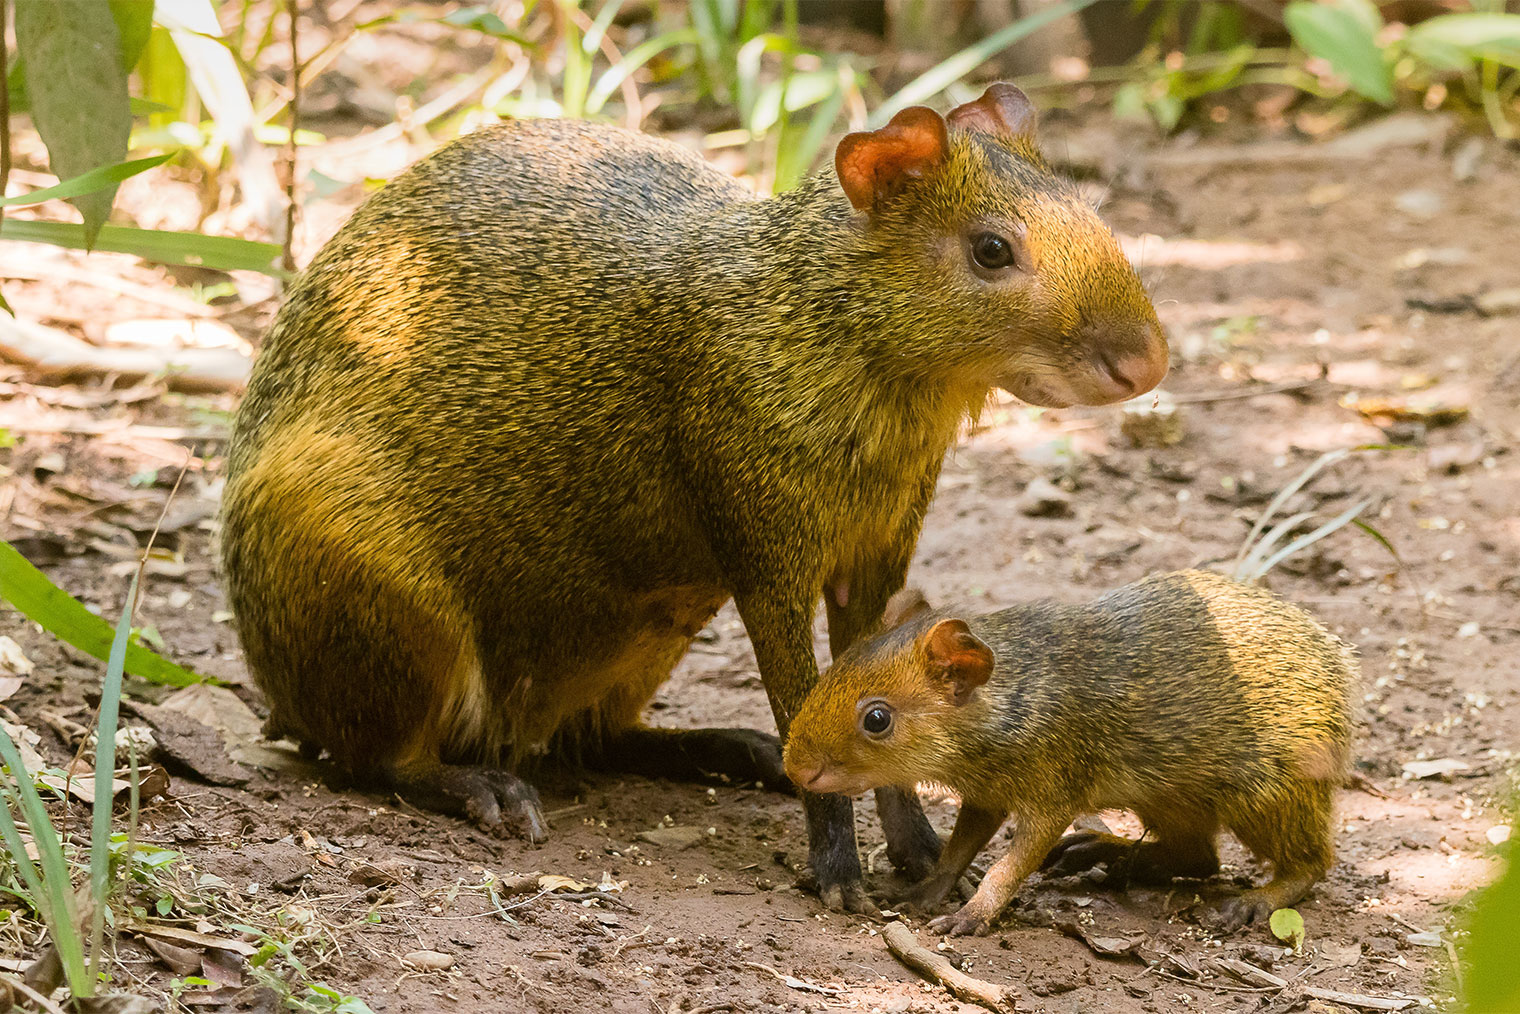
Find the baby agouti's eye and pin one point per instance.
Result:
(992, 252)
(876, 719)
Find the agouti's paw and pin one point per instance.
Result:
(507, 807)
(1082, 850)
(1241, 910)
(968, 921)
(924, 897)
(849, 897)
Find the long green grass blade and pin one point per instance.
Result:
(1302, 480)
(95, 179)
(1330, 527)
(29, 590)
(613, 77)
(105, 767)
(950, 70)
(794, 159)
(221, 253)
(1264, 545)
(15, 845)
(56, 887)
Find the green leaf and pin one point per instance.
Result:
(1288, 926)
(134, 23)
(1342, 35)
(28, 589)
(221, 253)
(78, 93)
(95, 179)
(1492, 943)
(1455, 41)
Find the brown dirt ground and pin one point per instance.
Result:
(1265, 271)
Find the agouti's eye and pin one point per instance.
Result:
(876, 719)
(992, 252)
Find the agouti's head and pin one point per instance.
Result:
(982, 256)
(886, 710)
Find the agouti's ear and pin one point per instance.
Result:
(956, 655)
(905, 605)
(873, 165)
(1002, 109)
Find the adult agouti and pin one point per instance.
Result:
(1194, 701)
(556, 393)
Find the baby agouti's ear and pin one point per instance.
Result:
(873, 165)
(902, 607)
(1002, 109)
(956, 656)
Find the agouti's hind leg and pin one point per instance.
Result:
(498, 801)
(1174, 853)
(1294, 833)
(745, 756)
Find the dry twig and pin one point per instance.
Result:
(937, 968)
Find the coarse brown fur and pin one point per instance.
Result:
(1194, 701)
(556, 393)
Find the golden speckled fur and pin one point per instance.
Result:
(556, 393)
(1194, 701)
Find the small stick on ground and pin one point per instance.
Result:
(937, 969)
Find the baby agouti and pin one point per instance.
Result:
(1197, 703)
(559, 391)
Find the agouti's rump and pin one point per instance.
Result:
(1197, 703)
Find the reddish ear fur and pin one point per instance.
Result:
(1002, 109)
(904, 606)
(873, 165)
(958, 657)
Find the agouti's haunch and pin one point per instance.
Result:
(1195, 702)
(556, 393)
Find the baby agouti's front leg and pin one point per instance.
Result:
(974, 828)
(1035, 837)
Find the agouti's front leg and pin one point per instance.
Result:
(855, 603)
(781, 631)
(1036, 835)
(974, 828)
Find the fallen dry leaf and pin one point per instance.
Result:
(428, 961)
(1441, 768)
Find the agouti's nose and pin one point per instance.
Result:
(1131, 368)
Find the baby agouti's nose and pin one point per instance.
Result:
(1131, 365)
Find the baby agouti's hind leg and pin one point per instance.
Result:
(1293, 831)
(745, 756)
(496, 800)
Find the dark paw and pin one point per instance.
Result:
(849, 897)
(752, 756)
(1242, 910)
(507, 806)
(924, 897)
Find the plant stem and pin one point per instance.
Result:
(293, 120)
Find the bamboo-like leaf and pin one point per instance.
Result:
(28, 589)
(95, 179)
(950, 70)
(1344, 34)
(78, 93)
(56, 891)
(105, 765)
(613, 77)
(222, 253)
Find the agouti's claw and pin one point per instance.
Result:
(1241, 910)
(964, 922)
(848, 898)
